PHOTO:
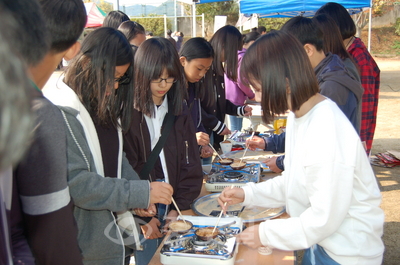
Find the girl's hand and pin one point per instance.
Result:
(202, 138)
(206, 151)
(226, 131)
(248, 111)
(271, 163)
(149, 212)
(151, 230)
(255, 142)
(160, 192)
(231, 196)
(171, 216)
(250, 237)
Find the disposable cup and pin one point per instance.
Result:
(226, 147)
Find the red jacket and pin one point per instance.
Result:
(370, 80)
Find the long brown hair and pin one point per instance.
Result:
(274, 61)
(332, 39)
(91, 75)
(226, 42)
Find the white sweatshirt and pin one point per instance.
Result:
(328, 188)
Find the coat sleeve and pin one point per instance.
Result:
(233, 109)
(127, 171)
(91, 191)
(211, 121)
(21, 253)
(275, 143)
(41, 179)
(189, 184)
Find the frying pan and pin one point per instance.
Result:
(242, 164)
(226, 163)
(177, 226)
(206, 233)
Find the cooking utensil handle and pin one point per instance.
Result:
(177, 208)
(215, 151)
(247, 147)
(219, 218)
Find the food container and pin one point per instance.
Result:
(225, 161)
(238, 165)
(180, 226)
(206, 233)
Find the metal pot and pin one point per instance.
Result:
(241, 165)
(180, 226)
(225, 163)
(206, 233)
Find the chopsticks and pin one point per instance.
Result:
(176, 206)
(247, 147)
(215, 151)
(219, 217)
(251, 123)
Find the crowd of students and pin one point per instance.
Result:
(89, 167)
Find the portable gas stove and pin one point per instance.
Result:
(225, 176)
(189, 249)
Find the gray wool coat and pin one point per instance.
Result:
(96, 198)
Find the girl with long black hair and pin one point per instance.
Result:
(158, 98)
(226, 42)
(96, 98)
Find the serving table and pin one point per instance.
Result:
(245, 254)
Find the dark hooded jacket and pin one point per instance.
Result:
(339, 85)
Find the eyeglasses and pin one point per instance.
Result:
(168, 80)
(123, 80)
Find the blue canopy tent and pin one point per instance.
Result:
(291, 8)
(307, 8)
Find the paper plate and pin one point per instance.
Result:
(208, 206)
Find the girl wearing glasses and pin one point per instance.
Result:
(160, 92)
(95, 98)
(196, 56)
(328, 186)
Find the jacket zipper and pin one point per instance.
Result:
(187, 152)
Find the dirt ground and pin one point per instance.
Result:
(384, 40)
(387, 137)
